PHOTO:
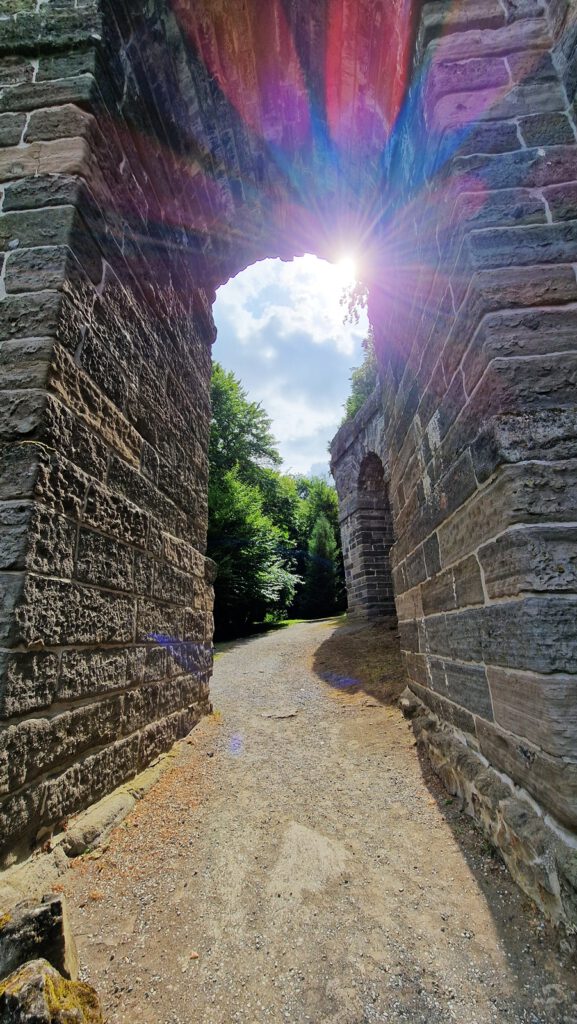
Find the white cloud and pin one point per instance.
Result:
(280, 329)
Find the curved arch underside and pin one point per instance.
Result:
(149, 152)
(273, 121)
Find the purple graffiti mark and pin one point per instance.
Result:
(236, 744)
(193, 657)
(339, 682)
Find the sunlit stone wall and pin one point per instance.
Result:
(475, 316)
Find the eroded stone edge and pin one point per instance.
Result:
(539, 860)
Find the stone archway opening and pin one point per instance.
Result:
(282, 331)
(370, 541)
(150, 153)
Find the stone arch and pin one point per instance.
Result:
(151, 151)
(370, 588)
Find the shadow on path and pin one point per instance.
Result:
(362, 656)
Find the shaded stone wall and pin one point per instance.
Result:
(105, 642)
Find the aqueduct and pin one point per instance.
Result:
(152, 150)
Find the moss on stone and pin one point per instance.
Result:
(64, 1002)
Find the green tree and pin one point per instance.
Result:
(364, 379)
(254, 577)
(261, 522)
(240, 434)
(250, 536)
(319, 498)
(321, 576)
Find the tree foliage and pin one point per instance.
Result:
(253, 577)
(261, 522)
(320, 593)
(364, 379)
(240, 435)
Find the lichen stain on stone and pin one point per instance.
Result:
(38, 990)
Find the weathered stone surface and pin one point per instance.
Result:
(90, 673)
(27, 681)
(11, 587)
(58, 123)
(523, 333)
(11, 128)
(539, 558)
(551, 780)
(57, 612)
(112, 250)
(41, 158)
(543, 865)
(21, 413)
(526, 493)
(37, 994)
(24, 363)
(110, 512)
(95, 824)
(546, 435)
(33, 931)
(540, 708)
(546, 130)
(36, 269)
(446, 710)
(104, 562)
(34, 746)
(464, 684)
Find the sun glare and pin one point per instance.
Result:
(347, 268)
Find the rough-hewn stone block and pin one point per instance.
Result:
(104, 562)
(57, 612)
(521, 333)
(531, 559)
(27, 682)
(540, 708)
(465, 685)
(551, 780)
(518, 494)
(536, 633)
(35, 746)
(112, 514)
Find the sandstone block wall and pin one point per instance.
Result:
(474, 311)
(148, 152)
(359, 464)
(106, 597)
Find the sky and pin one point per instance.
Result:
(280, 330)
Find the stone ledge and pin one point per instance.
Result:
(540, 861)
(87, 830)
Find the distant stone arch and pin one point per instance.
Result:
(371, 588)
(360, 468)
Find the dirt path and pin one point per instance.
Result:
(302, 851)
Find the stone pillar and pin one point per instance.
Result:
(105, 621)
(475, 327)
(358, 462)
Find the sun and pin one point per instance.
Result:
(347, 268)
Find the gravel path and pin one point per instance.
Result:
(299, 864)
